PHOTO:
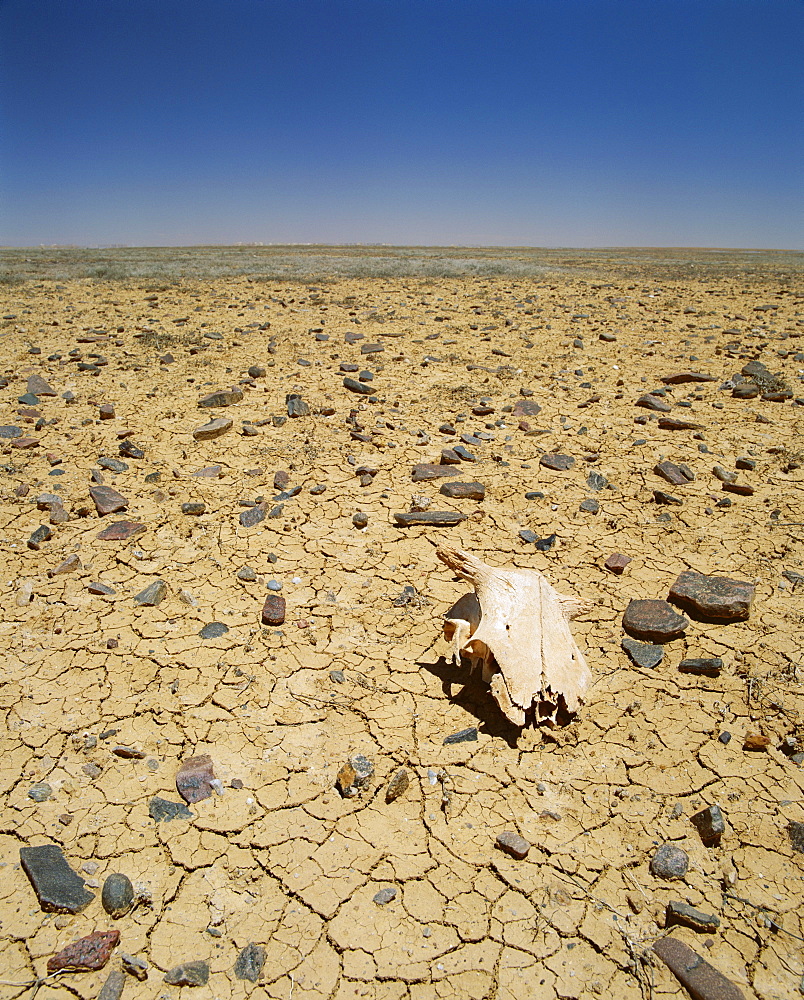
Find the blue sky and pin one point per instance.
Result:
(540, 123)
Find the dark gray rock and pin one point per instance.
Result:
(113, 988)
(214, 630)
(398, 785)
(224, 397)
(297, 407)
(247, 574)
(655, 621)
(710, 825)
(153, 594)
(716, 598)
(424, 472)
(669, 862)
(134, 966)
(656, 403)
(354, 386)
(528, 536)
(58, 888)
(163, 810)
(117, 895)
(642, 653)
(589, 506)
(250, 962)
(385, 895)
(667, 498)
(558, 463)
(669, 424)
(130, 450)
(795, 831)
(545, 544)
(9, 432)
(702, 667)
(112, 464)
(687, 916)
(468, 735)
(39, 535)
(252, 516)
(194, 509)
(463, 454)
(360, 519)
(40, 792)
(188, 974)
(676, 475)
(596, 481)
(214, 429)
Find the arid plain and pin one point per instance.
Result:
(126, 656)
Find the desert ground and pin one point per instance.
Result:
(125, 656)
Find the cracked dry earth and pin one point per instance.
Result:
(104, 698)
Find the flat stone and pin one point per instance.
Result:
(39, 535)
(681, 377)
(371, 348)
(213, 429)
(121, 531)
(653, 620)
(558, 463)
(589, 506)
(9, 432)
(130, 450)
(724, 475)
(660, 496)
(701, 980)
(194, 509)
(450, 457)
(252, 516)
(714, 598)
(117, 895)
(210, 472)
(25, 443)
(464, 491)
(195, 777)
(424, 472)
(39, 387)
(102, 589)
(431, 518)
(463, 454)
(743, 489)
(113, 988)
(28, 399)
(107, 500)
(188, 974)
(512, 844)
(710, 825)
(617, 562)
(273, 611)
(134, 966)
(398, 785)
(669, 862)
(643, 654)
(671, 424)
(91, 952)
(112, 464)
(675, 474)
(40, 792)
(468, 735)
(163, 810)
(354, 386)
(656, 403)
(214, 630)
(745, 390)
(249, 962)
(702, 667)
(526, 408)
(385, 895)
(153, 594)
(687, 916)
(596, 481)
(354, 776)
(546, 543)
(58, 888)
(224, 397)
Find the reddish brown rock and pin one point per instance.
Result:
(671, 424)
(38, 386)
(281, 480)
(743, 489)
(696, 975)
(107, 500)
(617, 562)
(194, 778)
(655, 621)
(424, 472)
(755, 741)
(682, 377)
(674, 474)
(526, 408)
(90, 952)
(25, 443)
(464, 491)
(715, 598)
(120, 531)
(273, 611)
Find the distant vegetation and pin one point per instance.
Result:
(318, 264)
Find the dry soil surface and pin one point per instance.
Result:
(103, 698)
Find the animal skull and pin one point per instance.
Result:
(516, 627)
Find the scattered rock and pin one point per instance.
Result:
(424, 472)
(468, 735)
(359, 387)
(273, 611)
(188, 974)
(39, 387)
(558, 463)
(194, 509)
(617, 562)
(107, 500)
(512, 844)
(360, 520)
(214, 630)
(398, 785)
(102, 589)
(385, 895)
(589, 506)
(153, 594)
(716, 598)
(688, 916)
(434, 518)
(163, 810)
(117, 895)
(643, 654)
(90, 952)
(669, 862)
(249, 962)
(121, 531)
(667, 498)
(526, 408)
(113, 988)
(58, 888)
(214, 429)
(134, 966)
(464, 491)
(354, 776)
(224, 397)
(656, 403)
(701, 980)
(296, 406)
(682, 377)
(677, 475)
(702, 666)
(742, 489)
(755, 742)
(709, 824)
(655, 621)
(252, 516)
(195, 778)
(795, 831)
(40, 792)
